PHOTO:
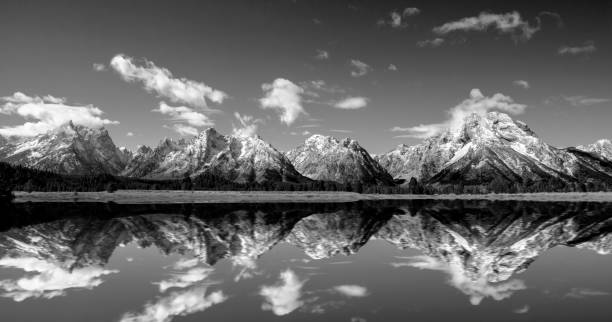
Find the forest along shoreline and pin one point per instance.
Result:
(174, 196)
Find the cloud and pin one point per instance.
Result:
(351, 290)
(507, 23)
(322, 54)
(521, 83)
(476, 288)
(392, 67)
(360, 68)
(555, 15)
(50, 280)
(129, 134)
(161, 81)
(339, 131)
(184, 263)
(306, 133)
(284, 297)
(352, 103)
(587, 48)
(583, 101)
(521, 310)
(476, 103)
(436, 42)
(98, 67)
(49, 113)
(283, 96)
(396, 17)
(187, 119)
(580, 293)
(248, 125)
(185, 279)
(180, 303)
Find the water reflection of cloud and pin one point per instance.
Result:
(580, 293)
(51, 279)
(178, 303)
(185, 279)
(351, 290)
(476, 288)
(184, 263)
(247, 266)
(284, 297)
(522, 310)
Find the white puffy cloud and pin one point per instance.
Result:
(587, 48)
(284, 297)
(476, 103)
(185, 279)
(360, 68)
(322, 54)
(352, 103)
(521, 83)
(283, 96)
(507, 23)
(248, 125)
(476, 288)
(47, 113)
(436, 42)
(50, 279)
(180, 303)
(351, 290)
(129, 134)
(98, 67)
(392, 67)
(161, 81)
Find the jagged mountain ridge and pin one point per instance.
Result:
(602, 148)
(71, 149)
(238, 159)
(329, 159)
(490, 146)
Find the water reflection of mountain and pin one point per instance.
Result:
(476, 243)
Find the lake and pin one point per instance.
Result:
(415, 260)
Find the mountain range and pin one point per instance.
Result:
(485, 150)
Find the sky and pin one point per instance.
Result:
(382, 72)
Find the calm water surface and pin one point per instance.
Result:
(354, 262)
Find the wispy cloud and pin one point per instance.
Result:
(322, 54)
(587, 48)
(352, 103)
(185, 279)
(396, 18)
(351, 290)
(476, 103)
(186, 119)
(507, 23)
(580, 293)
(248, 125)
(521, 83)
(339, 131)
(436, 42)
(284, 97)
(582, 101)
(359, 68)
(161, 81)
(392, 67)
(99, 67)
(48, 113)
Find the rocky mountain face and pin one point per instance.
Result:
(602, 148)
(237, 159)
(326, 158)
(71, 149)
(492, 147)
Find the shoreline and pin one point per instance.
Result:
(178, 196)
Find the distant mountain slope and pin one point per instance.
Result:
(327, 158)
(603, 148)
(71, 149)
(493, 147)
(237, 159)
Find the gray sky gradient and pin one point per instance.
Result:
(50, 48)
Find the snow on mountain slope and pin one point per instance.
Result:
(327, 158)
(71, 149)
(238, 159)
(603, 148)
(487, 146)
